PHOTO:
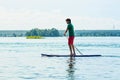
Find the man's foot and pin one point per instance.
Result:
(72, 55)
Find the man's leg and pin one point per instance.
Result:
(70, 47)
(73, 48)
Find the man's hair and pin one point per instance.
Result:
(68, 19)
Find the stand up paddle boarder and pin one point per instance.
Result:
(70, 28)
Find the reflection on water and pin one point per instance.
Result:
(71, 68)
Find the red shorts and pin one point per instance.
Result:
(70, 40)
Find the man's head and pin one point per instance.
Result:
(68, 20)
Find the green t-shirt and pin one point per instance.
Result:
(70, 28)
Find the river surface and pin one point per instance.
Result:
(20, 59)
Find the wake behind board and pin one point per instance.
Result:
(51, 55)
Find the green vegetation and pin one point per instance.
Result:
(55, 33)
(98, 33)
(34, 37)
(46, 33)
(12, 33)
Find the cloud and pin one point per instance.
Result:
(27, 19)
(24, 19)
(94, 23)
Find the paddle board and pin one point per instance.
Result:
(52, 55)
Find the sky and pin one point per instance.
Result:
(85, 14)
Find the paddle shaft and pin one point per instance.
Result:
(77, 49)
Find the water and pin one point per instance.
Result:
(20, 59)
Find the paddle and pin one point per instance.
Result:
(77, 49)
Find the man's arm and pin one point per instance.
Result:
(65, 32)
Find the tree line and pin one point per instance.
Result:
(54, 33)
(98, 33)
(46, 32)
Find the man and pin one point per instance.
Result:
(70, 28)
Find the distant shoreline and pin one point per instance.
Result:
(81, 33)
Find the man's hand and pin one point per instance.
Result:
(64, 34)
